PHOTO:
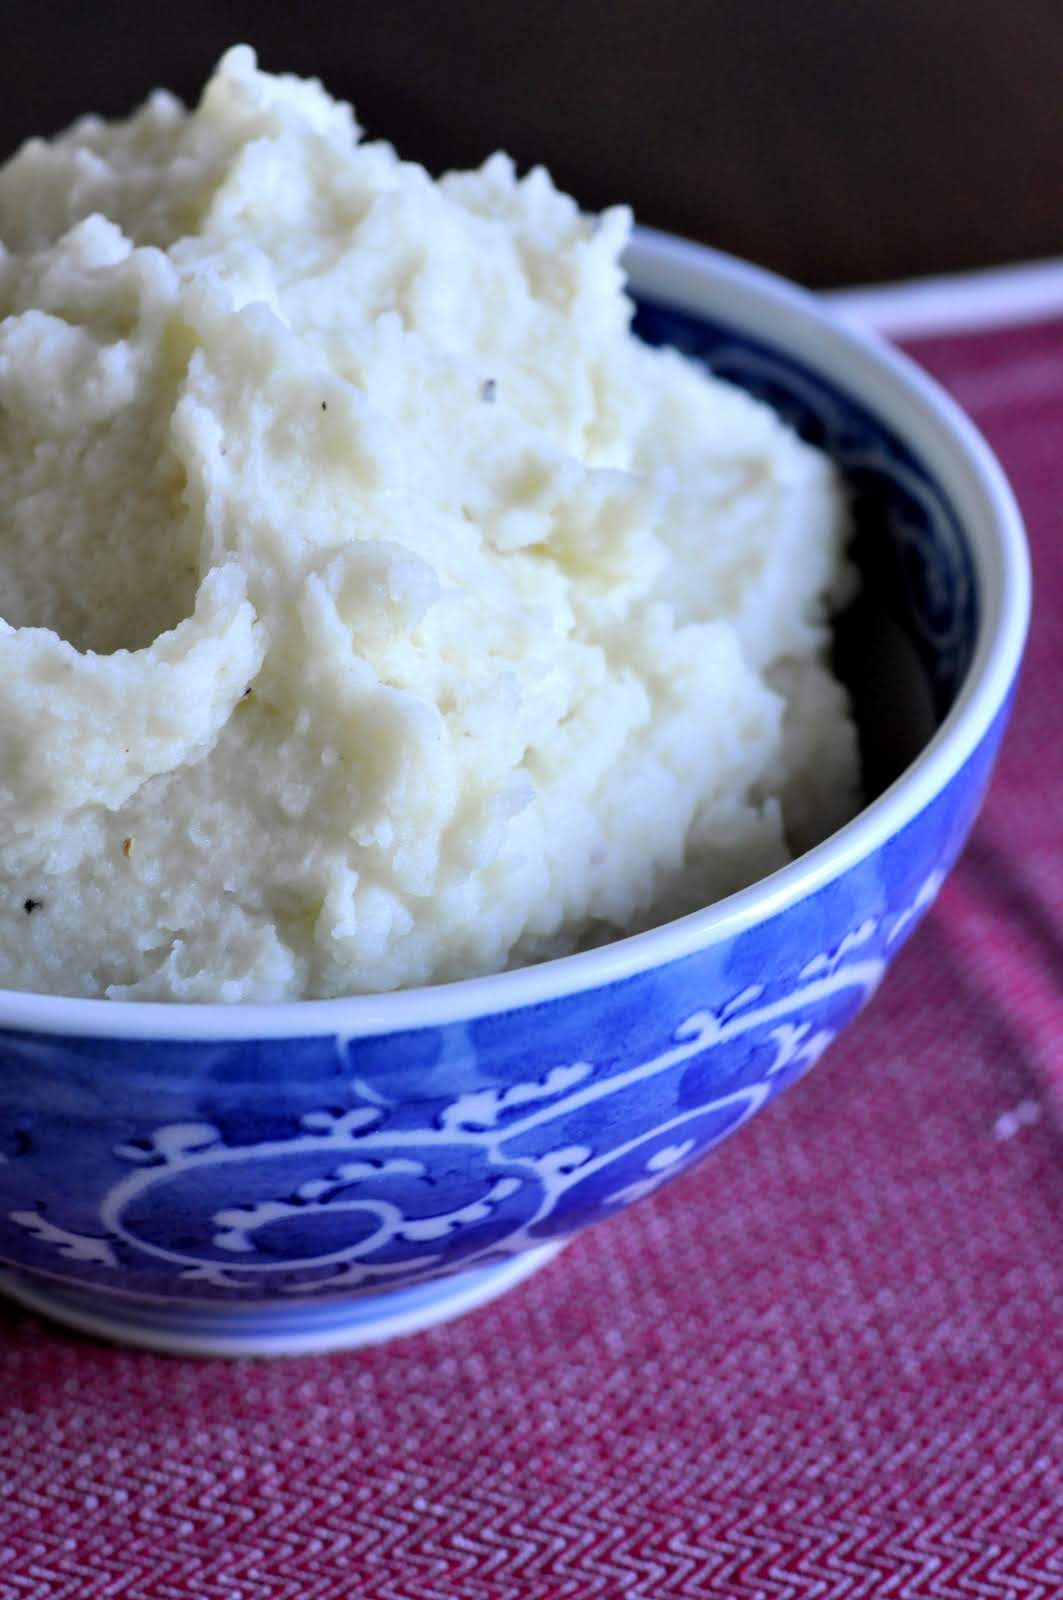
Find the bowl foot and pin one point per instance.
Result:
(271, 1330)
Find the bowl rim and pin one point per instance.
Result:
(707, 282)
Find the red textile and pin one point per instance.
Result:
(828, 1363)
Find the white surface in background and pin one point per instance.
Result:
(964, 302)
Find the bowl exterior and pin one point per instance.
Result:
(233, 1172)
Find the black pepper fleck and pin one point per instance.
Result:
(30, 906)
(324, 405)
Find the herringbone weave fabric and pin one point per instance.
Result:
(828, 1363)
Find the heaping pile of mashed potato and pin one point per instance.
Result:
(376, 609)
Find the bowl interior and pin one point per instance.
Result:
(929, 651)
(905, 644)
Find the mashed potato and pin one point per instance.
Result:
(376, 609)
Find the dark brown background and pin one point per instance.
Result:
(835, 140)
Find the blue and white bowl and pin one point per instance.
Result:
(304, 1176)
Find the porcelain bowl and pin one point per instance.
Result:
(303, 1176)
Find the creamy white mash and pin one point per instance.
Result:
(376, 610)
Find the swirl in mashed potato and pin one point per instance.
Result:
(376, 609)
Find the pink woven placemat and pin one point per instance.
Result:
(828, 1363)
